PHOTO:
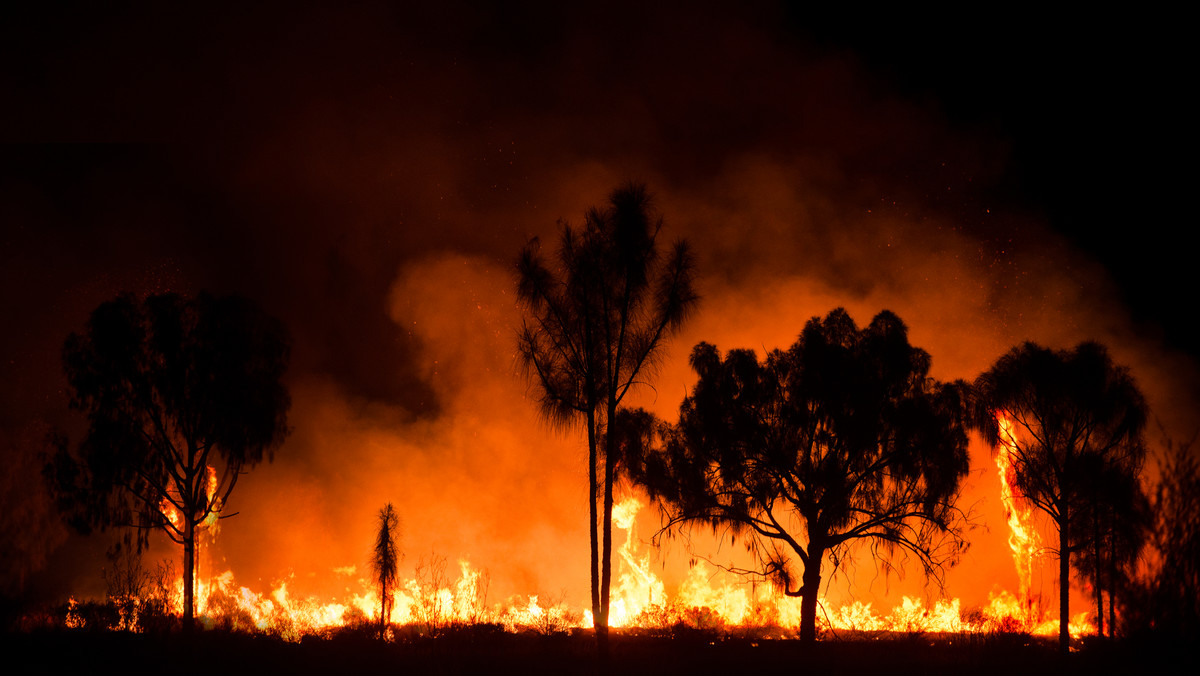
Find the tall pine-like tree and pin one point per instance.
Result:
(596, 321)
(384, 560)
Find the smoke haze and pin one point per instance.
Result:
(369, 174)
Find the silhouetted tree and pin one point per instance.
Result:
(181, 395)
(1111, 523)
(842, 439)
(1169, 600)
(383, 562)
(126, 583)
(30, 525)
(1074, 414)
(595, 320)
(431, 578)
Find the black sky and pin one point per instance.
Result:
(1093, 106)
(1089, 107)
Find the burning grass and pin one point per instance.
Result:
(296, 620)
(442, 600)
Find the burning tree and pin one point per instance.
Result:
(842, 439)
(1064, 417)
(181, 395)
(594, 323)
(383, 562)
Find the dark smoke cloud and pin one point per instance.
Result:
(368, 174)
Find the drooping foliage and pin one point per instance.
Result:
(181, 395)
(1075, 417)
(841, 439)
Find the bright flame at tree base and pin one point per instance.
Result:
(433, 602)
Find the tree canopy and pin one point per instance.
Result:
(841, 439)
(596, 319)
(182, 394)
(1075, 417)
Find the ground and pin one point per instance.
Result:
(222, 654)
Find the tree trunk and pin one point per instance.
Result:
(382, 611)
(1064, 581)
(606, 555)
(598, 620)
(189, 573)
(1112, 612)
(808, 594)
(1097, 581)
(1112, 574)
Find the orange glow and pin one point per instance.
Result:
(707, 599)
(168, 509)
(210, 521)
(382, 231)
(1022, 539)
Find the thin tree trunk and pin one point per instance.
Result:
(1064, 581)
(189, 573)
(1112, 574)
(1097, 581)
(1112, 615)
(382, 611)
(606, 556)
(593, 533)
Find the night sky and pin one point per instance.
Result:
(369, 174)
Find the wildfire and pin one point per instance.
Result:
(637, 589)
(1022, 539)
(171, 512)
(705, 599)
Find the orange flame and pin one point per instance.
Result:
(1022, 539)
(705, 599)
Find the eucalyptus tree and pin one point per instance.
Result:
(596, 319)
(1064, 416)
(182, 395)
(842, 439)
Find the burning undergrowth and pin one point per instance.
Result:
(442, 600)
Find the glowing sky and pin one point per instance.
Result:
(369, 175)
